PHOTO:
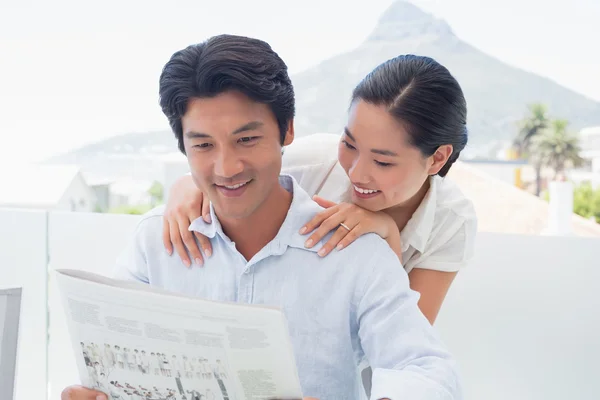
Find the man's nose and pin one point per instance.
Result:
(228, 164)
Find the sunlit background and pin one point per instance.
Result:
(83, 142)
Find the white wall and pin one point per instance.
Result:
(23, 258)
(522, 319)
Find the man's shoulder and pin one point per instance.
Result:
(150, 224)
(369, 250)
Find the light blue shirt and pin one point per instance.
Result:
(351, 307)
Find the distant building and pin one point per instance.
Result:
(508, 171)
(128, 191)
(175, 165)
(50, 187)
(590, 150)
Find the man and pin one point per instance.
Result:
(230, 103)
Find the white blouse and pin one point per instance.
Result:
(439, 236)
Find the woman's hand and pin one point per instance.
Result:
(185, 204)
(351, 222)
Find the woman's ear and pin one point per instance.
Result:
(440, 157)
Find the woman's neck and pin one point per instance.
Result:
(402, 213)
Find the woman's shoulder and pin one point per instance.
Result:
(450, 199)
(446, 239)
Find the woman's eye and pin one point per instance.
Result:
(382, 164)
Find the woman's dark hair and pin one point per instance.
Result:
(225, 63)
(425, 98)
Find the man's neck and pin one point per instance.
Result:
(253, 233)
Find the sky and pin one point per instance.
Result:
(74, 72)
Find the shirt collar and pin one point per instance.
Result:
(302, 209)
(417, 231)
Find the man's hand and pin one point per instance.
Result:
(82, 393)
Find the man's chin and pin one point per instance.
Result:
(231, 213)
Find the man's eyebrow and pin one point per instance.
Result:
(244, 128)
(250, 126)
(196, 135)
(376, 151)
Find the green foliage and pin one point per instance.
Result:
(137, 209)
(586, 202)
(534, 122)
(156, 192)
(557, 148)
(546, 142)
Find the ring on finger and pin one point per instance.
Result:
(345, 226)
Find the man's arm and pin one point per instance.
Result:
(403, 349)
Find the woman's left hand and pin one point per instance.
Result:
(351, 222)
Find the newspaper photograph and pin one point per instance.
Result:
(134, 342)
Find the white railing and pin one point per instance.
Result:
(522, 320)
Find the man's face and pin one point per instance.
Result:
(233, 148)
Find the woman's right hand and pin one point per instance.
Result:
(185, 204)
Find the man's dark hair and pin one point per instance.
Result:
(423, 96)
(226, 63)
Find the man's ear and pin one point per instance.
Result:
(289, 134)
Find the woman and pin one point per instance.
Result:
(406, 127)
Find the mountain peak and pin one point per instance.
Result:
(404, 20)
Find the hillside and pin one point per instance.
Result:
(497, 94)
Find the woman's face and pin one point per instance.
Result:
(385, 170)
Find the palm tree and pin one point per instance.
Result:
(531, 126)
(557, 148)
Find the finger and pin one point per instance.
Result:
(179, 247)
(326, 226)
(317, 220)
(339, 234)
(324, 202)
(204, 244)
(190, 244)
(350, 237)
(206, 210)
(82, 393)
(166, 236)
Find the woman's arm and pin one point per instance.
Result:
(434, 271)
(433, 287)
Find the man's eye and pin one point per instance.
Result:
(202, 145)
(348, 145)
(248, 139)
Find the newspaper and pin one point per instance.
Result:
(135, 342)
